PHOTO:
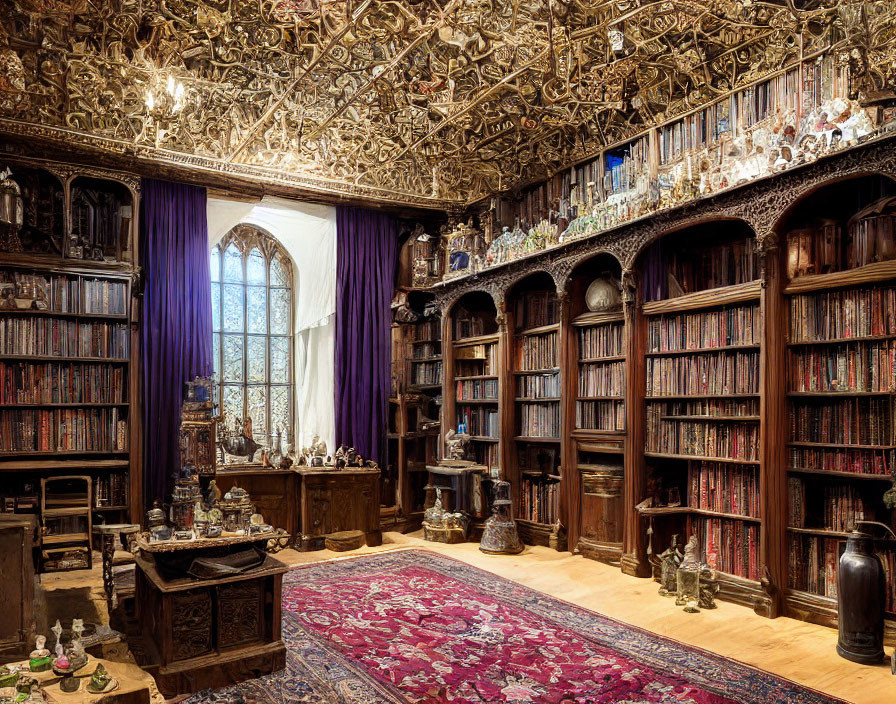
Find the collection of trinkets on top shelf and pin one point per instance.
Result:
(16, 685)
(638, 187)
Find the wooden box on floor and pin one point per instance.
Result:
(199, 634)
(16, 582)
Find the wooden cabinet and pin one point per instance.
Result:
(273, 491)
(337, 500)
(209, 633)
(16, 583)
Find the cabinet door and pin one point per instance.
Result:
(16, 584)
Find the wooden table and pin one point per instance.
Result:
(212, 632)
(134, 685)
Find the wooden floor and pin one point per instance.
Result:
(800, 651)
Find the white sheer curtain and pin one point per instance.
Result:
(308, 233)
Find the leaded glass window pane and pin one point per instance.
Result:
(216, 307)
(252, 331)
(256, 407)
(256, 309)
(279, 360)
(280, 408)
(279, 269)
(233, 402)
(256, 363)
(233, 308)
(214, 262)
(281, 311)
(233, 264)
(216, 353)
(255, 267)
(233, 358)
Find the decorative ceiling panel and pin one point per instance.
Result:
(418, 101)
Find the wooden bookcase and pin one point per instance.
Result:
(414, 411)
(702, 396)
(840, 333)
(473, 367)
(69, 342)
(594, 409)
(533, 395)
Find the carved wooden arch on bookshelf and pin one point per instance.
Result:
(805, 193)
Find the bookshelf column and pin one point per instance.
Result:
(634, 539)
(773, 436)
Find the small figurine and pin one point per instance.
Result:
(57, 630)
(670, 561)
(688, 575)
(100, 682)
(40, 659)
(8, 676)
(456, 445)
(708, 587)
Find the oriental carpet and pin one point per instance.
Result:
(414, 626)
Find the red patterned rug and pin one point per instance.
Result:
(414, 626)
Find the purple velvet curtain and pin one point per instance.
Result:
(176, 335)
(365, 276)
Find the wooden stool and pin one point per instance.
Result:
(344, 540)
(108, 531)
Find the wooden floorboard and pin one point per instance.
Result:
(799, 651)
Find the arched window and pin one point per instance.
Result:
(252, 304)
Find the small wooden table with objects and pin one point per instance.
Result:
(215, 630)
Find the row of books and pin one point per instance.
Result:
(723, 487)
(540, 501)
(468, 326)
(430, 329)
(425, 350)
(538, 385)
(476, 360)
(729, 545)
(718, 373)
(476, 389)
(842, 460)
(483, 422)
(110, 490)
(714, 407)
(486, 453)
(607, 379)
(739, 325)
(843, 314)
(535, 309)
(822, 248)
(600, 415)
(854, 421)
(888, 560)
(601, 341)
(540, 420)
(856, 366)
(624, 165)
(686, 270)
(66, 294)
(55, 382)
(62, 338)
(841, 506)
(733, 114)
(730, 440)
(426, 373)
(537, 351)
(812, 564)
(61, 429)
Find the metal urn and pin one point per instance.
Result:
(499, 536)
(860, 599)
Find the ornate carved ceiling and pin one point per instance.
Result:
(423, 101)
